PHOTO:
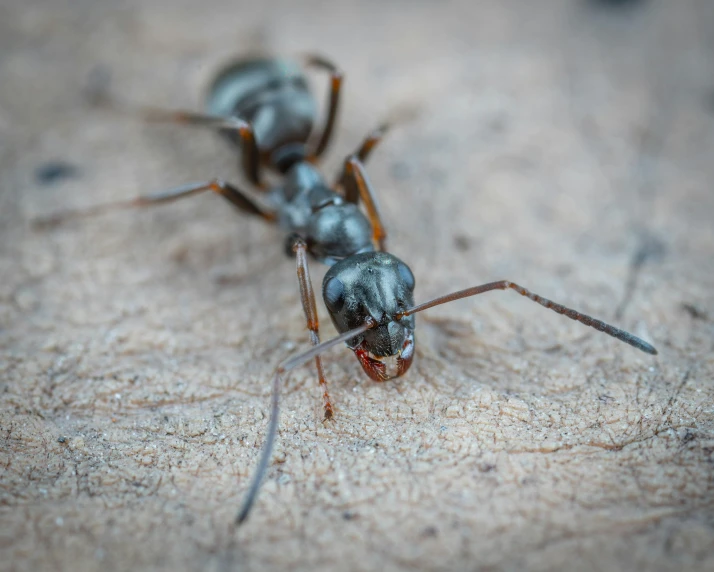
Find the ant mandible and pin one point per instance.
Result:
(265, 107)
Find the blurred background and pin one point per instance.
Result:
(563, 144)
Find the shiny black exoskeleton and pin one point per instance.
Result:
(332, 228)
(273, 97)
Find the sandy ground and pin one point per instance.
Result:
(566, 147)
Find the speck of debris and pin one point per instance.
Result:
(348, 515)
(430, 532)
(694, 312)
(61, 439)
(53, 172)
(462, 242)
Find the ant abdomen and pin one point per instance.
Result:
(274, 97)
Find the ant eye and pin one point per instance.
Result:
(406, 275)
(334, 294)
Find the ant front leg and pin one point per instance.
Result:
(357, 186)
(307, 296)
(334, 98)
(250, 154)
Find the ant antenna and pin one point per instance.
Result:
(283, 368)
(572, 314)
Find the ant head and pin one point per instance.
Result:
(374, 286)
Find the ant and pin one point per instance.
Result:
(265, 107)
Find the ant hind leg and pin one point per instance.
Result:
(323, 141)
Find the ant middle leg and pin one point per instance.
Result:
(357, 186)
(307, 296)
(323, 141)
(365, 150)
(250, 154)
(229, 192)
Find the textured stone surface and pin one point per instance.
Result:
(566, 147)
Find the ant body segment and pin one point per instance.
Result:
(265, 107)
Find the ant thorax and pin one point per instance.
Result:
(332, 228)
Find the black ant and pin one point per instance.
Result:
(264, 106)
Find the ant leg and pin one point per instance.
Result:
(232, 194)
(283, 368)
(334, 98)
(250, 154)
(307, 295)
(365, 150)
(357, 186)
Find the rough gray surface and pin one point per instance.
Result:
(565, 147)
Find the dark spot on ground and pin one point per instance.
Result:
(53, 172)
(430, 532)
(688, 436)
(462, 242)
(694, 312)
(651, 249)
